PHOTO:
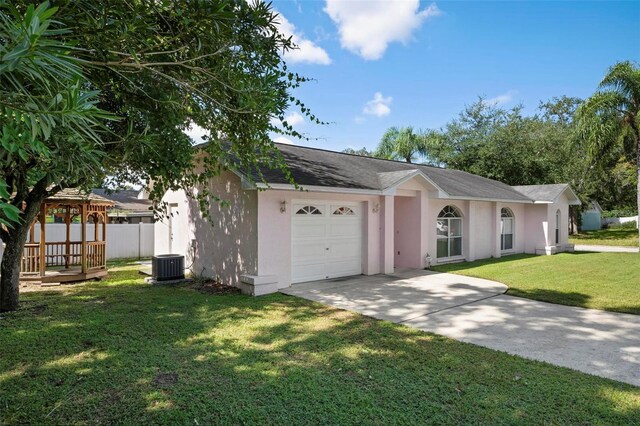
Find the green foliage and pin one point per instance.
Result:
(9, 214)
(609, 122)
(362, 152)
(125, 352)
(50, 122)
(627, 212)
(403, 144)
(506, 145)
(158, 67)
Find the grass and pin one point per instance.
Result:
(122, 351)
(623, 237)
(608, 281)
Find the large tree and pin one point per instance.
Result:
(402, 143)
(506, 145)
(133, 76)
(610, 118)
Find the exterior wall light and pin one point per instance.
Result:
(283, 206)
(376, 208)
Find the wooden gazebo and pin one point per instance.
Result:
(68, 259)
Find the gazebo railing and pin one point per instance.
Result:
(30, 259)
(56, 255)
(96, 255)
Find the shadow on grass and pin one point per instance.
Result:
(453, 267)
(132, 353)
(552, 296)
(607, 234)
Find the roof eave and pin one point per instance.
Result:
(493, 200)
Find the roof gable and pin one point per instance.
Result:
(126, 199)
(548, 193)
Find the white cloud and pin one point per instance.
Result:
(294, 119)
(368, 27)
(378, 106)
(359, 119)
(196, 133)
(306, 51)
(282, 139)
(502, 99)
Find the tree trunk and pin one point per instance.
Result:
(573, 220)
(15, 239)
(10, 266)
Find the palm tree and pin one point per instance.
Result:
(403, 144)
(611, 117)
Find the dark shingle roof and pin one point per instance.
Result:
(318, 167)
(125, 199)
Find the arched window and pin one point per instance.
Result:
(449, 232)
(507, 225)
(558, 226)
(344, 211)
(308, 210)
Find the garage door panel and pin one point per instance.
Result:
(344, 268)
(309, 229)
(345, 248)
(309, 249)
(308, 272)
(348, 228)
(327, 245)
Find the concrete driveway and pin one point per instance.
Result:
(476, 311)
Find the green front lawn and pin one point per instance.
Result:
(609, 281)
(607, 237)
(122, 351)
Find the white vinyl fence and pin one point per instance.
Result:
(123, 240)
(610, 220)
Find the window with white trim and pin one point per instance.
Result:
(507, 226)
(449, 232)
(308, 210)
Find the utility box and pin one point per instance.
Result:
(166, 267)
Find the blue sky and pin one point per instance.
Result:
(380, 64)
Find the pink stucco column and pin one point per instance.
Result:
(425, 226)
(497, 222)
(471, 231)
(387, 234)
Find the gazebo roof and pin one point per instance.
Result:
(77, 196)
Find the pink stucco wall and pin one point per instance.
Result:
(536, 227)
(253, 236)
(274, 230)
(224, 248)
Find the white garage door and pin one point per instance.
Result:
(326, 240)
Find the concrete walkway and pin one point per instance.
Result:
(608, 249)
(476, 311)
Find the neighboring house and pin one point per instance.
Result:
(592, 218)
(130, 205)
(358, 215)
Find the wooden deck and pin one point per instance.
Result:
(65, 275)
